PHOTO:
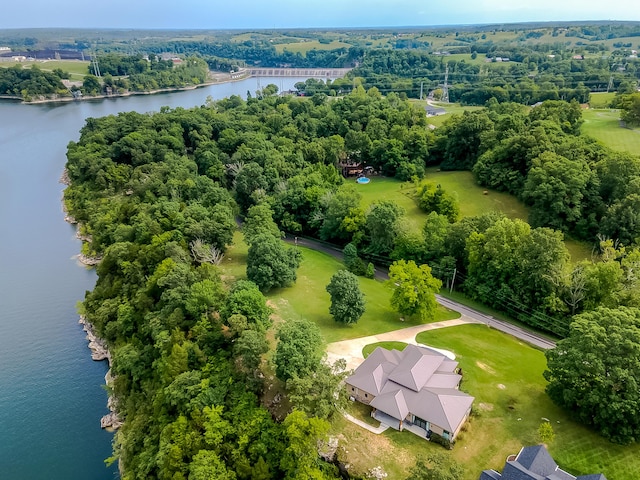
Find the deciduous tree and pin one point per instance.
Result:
(415, 289)
(270, 264)
(347, 301)
(594, 373)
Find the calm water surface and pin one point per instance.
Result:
(51, 394)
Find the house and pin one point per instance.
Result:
(434, 111)
(416, 389)
(534, 463)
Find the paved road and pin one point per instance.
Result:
(383, 274)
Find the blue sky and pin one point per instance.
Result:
(217, 14)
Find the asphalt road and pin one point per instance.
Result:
(382, 274)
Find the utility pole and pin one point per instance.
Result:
(421, 87)
(455, 270)
(445, 88)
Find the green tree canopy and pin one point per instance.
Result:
(594, 373)
(299, 350)
(415, 289)
(270, 264)
(347, 301)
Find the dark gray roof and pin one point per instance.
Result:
(515, 471)
(431, 110)
(537, 460)
(534, 463)
(490, 475)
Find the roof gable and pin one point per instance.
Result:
(416, 367)
(392, 403)
(537, 459)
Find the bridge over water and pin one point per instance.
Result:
(299, 72)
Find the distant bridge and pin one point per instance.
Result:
(299, 72)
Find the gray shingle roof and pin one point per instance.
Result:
(515, 471)
(537, 459)
(534, 463)
(490, 475)
(392, 403)
(417, 380)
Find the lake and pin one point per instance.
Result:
(51, 392)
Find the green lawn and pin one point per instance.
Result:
(505, 377)
(383, 188)
(578, 249)
(604, 125)
(304, 47)
(601, 99)
(366, 351)
(77, 68)
(309, 299)
(472, 198)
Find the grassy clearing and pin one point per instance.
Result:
(309, 299)
(578, 250)
(601, 99)
(382, 188)
(505, 376)
(304, 47)
(77, 68)
(604, 126)
(471, 197)
(366, 351)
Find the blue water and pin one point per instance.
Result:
(51, 392)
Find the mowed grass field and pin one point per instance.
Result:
(77, 68)
(604, 125)
(601, 99)
(309, 299)
(471, 197)
(304, 47)
(505, 377)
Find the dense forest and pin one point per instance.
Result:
(157, 196)
(16, 81)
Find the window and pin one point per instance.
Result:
(353, 389)
(366, 396)
(421, 423)
(446, 435)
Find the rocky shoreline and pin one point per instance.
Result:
(97, 345)
(82, 258)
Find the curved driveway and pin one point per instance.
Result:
(351, 350)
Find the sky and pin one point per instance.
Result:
(245, 14)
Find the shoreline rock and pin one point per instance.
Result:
(89, 261)
(99, 351)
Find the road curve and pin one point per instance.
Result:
(382, 274)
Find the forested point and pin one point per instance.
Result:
(158, 194)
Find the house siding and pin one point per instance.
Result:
(360, 395)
